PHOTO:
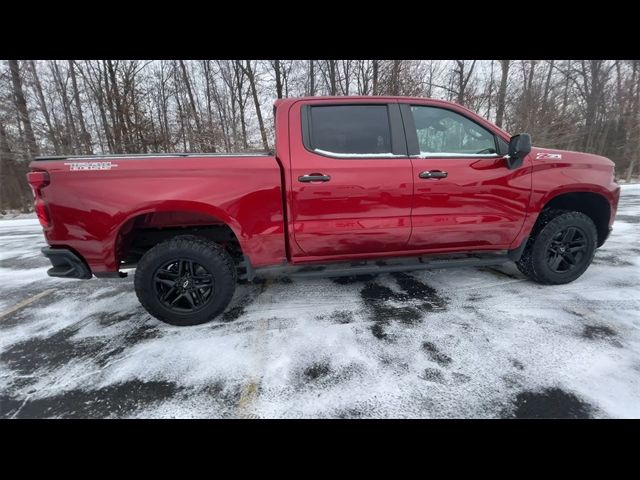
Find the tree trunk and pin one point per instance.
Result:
(541, 118)
(37, 86)
(346, 80)
(72, 138)
(312, 78)
(332, 77)
(192, 104)
(222, 116)
(241, 103)
(502, 92)
(207, 79)
(85, 137)
(376, 72)
(95, 85)
(97, 130)
(278, 75)
(23, 113)
(463, 80)
(490, 93)
(115, 94)
(460, 72)
(254, 92)
(395, 77)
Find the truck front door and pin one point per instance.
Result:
(465, 196)
(351, 178)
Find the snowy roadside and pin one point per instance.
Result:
(472, 342)
(17, 216)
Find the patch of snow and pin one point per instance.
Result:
(18, 216)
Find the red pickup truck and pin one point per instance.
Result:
(356, 185)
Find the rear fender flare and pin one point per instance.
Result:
(176, 206)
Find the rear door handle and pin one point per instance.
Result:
(433, 174)
(314, 177)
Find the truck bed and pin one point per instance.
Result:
(94, 200)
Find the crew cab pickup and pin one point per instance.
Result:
(355, 185)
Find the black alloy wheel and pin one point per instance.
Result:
(560, 248)
(567, 250)
(187, 280)
(183, 285)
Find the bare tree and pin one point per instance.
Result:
(21, 106)
(85, 138)
(242, 99)
(375, 75)
(248, 70)
(502, 91)
(462, 74)
(329, 71)
(312, 78)
(37, 86)
(275, 64)
(192, 104)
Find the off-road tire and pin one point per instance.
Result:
(207, 255)
(533, 262)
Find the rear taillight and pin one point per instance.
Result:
(38, 180)
(42, 212)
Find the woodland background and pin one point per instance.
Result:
(72, 107)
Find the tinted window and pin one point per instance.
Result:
(351, 129)
(442, 131)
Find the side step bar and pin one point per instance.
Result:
(246, 271)
(368, 267)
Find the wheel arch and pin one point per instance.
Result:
(595, 204)
(178, 216)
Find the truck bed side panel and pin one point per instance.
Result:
(89, 207)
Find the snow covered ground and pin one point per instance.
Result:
(473, 342)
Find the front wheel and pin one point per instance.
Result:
(187, 280)
(560, 248)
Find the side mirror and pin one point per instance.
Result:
(519, 147)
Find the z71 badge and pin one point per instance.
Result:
(548, 156)
(91, 165)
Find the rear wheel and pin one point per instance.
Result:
(187, 280)
(561, 247)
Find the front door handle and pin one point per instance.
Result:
(433, 174)
(314, 177)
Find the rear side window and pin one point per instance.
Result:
(442, 132)
(350, 130)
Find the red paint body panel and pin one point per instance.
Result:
(88, 208)
(480, 204)
(372, 207)
(574, 172)
(365, 208)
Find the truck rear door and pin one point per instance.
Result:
(350, 176)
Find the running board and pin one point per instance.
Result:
(369, 267)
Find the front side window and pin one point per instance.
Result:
(442, 132)
(350, 130)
